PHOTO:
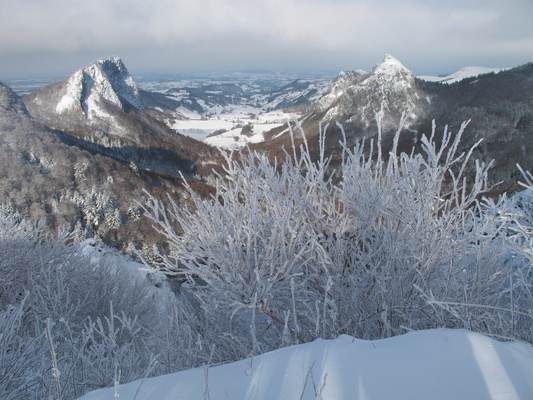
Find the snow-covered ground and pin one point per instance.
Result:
(232, 124)
(467, 72)
(123, 265)
(434, 364)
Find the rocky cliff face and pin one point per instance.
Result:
(106, 80)
(357, 97)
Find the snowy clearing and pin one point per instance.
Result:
(232, 123)
(433, 364)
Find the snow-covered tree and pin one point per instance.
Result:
(69, 324)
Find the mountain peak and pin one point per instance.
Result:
(105, 80)
(360, 96)
(390, 66)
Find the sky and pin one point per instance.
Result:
(53, 38)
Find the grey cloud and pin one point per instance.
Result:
(188, 33)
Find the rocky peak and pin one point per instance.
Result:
(106, 80)
(359, 96)
(390, 66)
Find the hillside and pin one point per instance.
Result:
(499, 105)
(45, 174)
(99, 108)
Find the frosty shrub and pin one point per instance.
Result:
(68, 324)
(285, 254)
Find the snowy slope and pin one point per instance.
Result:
(339, 85)
(434, 364)
(467, 72)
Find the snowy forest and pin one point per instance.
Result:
(283, 253)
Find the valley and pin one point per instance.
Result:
(136, 246)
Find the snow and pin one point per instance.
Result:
(106, 79)
(232, 122)
(233, 139)
(433, 364)
(263, 95)
(390, 66)
(113, 80)
(71, 99)
(467, 72)
(97, 252)
(389, 84)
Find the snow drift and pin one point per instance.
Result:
(433, 364)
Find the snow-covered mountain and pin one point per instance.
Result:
(101, 109)
(497, 104)
(339, 84)
(359, 96)
(463, 73)
(42, 178)
(95, 95)
(106, 80)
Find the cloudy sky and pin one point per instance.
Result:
(55, 37)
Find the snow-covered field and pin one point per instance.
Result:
(467, 72)
(435, 364)
(232, 124)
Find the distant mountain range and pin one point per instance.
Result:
(81, 151)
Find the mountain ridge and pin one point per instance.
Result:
(100, 108)
(463, 73)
